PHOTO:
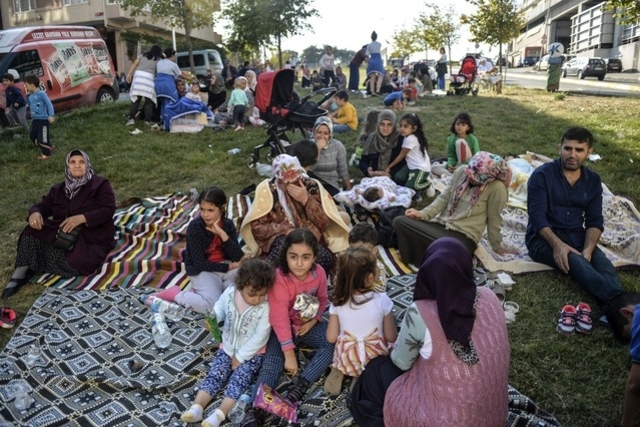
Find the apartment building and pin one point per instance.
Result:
(584, 28)
(105, 15)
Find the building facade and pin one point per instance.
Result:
(105, 15)
(583, 27)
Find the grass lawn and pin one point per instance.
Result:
(580, 379)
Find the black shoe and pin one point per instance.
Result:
(252, 418)
(297, 392)
(13, 286)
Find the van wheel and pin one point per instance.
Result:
(564, 73)
(580, 75)
(104, 95)
(601, 78)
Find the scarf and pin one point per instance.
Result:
(286, 170)
(376, 143)
(72, 184)
(482, 169)
(446, 275)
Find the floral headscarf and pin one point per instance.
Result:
(286, 170)
(326, 121)
(250, 75)
(482, 169)
(72, 184)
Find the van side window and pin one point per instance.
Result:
(27, 63)
(183, 61)
(212, 58)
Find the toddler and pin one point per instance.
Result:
(397, 100)
(245, 313)
(41, 116)
(238, 102)
(16, 104)
(366, 235)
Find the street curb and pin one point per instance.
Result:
(597, 84)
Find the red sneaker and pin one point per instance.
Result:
(8, 318)
(567, 320)
(583, 318)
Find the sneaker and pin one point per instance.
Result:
(8, 318)
(131, 122)
(297, 392)
(252, 418)
(567, 320)
(148, 123)
(584, 325)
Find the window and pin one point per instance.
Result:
(27, 63)
(72, 2)
(23, 5)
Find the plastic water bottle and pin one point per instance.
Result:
(233, 151)
(160, 331)
(157, 305)
(236, 414)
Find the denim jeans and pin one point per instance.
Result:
(341, 128)
(598, 278)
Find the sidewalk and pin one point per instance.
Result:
(623, 77)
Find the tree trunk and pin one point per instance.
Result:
(279, 38)
(187, 23)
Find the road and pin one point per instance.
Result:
(613, 84)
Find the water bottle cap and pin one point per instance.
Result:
(245, 398)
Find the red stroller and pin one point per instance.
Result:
(282, 108)
(464, 82)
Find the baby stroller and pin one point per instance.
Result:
(281, 107)
(465, 81)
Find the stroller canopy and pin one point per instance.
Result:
(274, 88)
(469, 67)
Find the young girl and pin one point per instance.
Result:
(461, 144)
(211, 256)
(361, 321)
(415, 174)
(195, 94)
(238, 102)
(296, 304)
(245, 313)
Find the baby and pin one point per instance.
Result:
(194, 93)
(372, 194)
(376, 193)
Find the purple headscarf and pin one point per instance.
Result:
(446, 275)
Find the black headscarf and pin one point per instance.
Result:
(446, 275)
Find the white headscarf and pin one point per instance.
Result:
(72, 184)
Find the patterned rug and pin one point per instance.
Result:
(150, 238)
(100, 367)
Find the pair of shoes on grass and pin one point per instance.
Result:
(575, 319)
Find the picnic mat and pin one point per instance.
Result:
(89, 340)
(150, 238)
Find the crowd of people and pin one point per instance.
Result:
(272, 291)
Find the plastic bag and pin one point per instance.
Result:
(270, 400)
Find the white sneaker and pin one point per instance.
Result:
(131, 122)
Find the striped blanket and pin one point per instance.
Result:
(143, 85)
(150, 239)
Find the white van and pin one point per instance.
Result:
(203, 60)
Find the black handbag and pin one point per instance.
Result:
(66, 241)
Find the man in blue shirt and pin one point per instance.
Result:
(564, 202)
(623, 314)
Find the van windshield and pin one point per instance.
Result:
(212, 58)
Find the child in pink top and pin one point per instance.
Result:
(296, 303)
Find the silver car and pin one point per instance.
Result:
(585, 67)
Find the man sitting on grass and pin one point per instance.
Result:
(564, 202)
(623, 314)
(345, 119)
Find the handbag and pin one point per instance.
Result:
(66, 241)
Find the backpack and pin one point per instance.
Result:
(384, 226)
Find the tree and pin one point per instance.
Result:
(406, 42)
(268, 21)
(186, 14)
(246, 36)
(495, 22)
(437, 28)
(627, 11)
(312, 54)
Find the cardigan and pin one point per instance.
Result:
(198, 241)
(96, 201)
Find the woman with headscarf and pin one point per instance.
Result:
(332, 157)
(453, 347)
(167, 74)
(473, 200)
(288, 201)
(82, 200)
(378, 147)
(252, 81)
(141, 77)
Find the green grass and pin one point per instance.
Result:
(578, 379)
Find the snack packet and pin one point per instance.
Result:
(270, 400)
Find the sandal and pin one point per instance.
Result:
(8, 317)
(567, 320)
(510, 310)
(584, 325)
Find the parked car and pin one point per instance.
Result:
(543, 64)
(585, 67)
(203, 60)
(614, 65)
(72, 63)
(499, 61)
(527, 61)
